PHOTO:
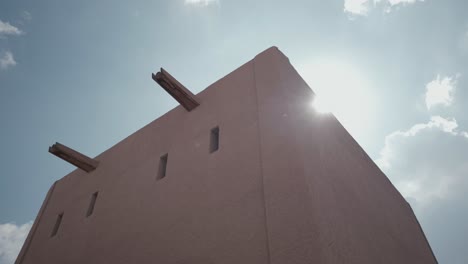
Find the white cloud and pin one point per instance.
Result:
(7, 29)
(436, 122)
(12, 237)
(7, 60)
(465, 134)
(357, 7)
(201, 2)
(427, 161)
(440, 91)
(428, 164)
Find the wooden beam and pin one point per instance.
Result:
(176, 90)
(74, 157)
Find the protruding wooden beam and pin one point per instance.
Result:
(176, 90)
(74, 157)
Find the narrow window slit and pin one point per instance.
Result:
(162, 167)
(57, 225)
(214, 139)
(91, 204)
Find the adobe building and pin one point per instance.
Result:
(243, 172)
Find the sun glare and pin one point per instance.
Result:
(321, 105)
(342, 89)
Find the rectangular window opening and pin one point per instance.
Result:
(214, 139)
(91, 204)
(162, 166)
(57, 225)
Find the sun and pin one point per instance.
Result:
(342, 89)
(338, 86)
(321, 105)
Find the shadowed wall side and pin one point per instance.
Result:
(327, 202)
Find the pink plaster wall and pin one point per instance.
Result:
(286, 186)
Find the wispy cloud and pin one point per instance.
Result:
(201, 2)
(440, 91)
(7, 29)
(463, 41)
(7, 60)
(25, 15)
(397, 2)
(12, 237)
(362, 7)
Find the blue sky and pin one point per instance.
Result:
(394, 72)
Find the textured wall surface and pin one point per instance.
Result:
(287, 185)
